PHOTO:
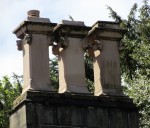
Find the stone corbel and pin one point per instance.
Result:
(19, 45)
(59, 42)
(90, 45)
(28, 38)
(64, 42)
(98, 45)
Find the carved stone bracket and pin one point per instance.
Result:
(19, 45)
(58, 42)
(91, 45)
(98, 45)
(28, 38)
(64, 42)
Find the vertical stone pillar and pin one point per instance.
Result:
(68, 46)
(34, 42)
(103, 45)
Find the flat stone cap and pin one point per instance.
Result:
(36, 19)
(74, 23)
(106, 24)
(68, 28)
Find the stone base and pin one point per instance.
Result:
(114, 91)
(111, 92)
(35, 109)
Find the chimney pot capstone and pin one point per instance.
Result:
(33, 13)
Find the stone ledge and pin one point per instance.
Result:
(52, 110)
(75, 23)
(71, 30)
(74, 99)
(26, 26)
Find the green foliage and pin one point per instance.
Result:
(90, 85)
(54, 73)
(8, 93)
(89, 67)
(135, 58)
(89, 73)
(139, 90)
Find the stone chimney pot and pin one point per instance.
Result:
(33, 13)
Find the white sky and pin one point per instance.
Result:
(13, 12)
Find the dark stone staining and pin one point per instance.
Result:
(72, 111)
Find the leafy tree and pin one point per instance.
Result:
(135, 58)
(8, 93)
(54, 73)
(139, 90)
(89, 73)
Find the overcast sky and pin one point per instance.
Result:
(13, 12)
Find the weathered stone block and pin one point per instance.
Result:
(34, 35)
(67, 37)
(52, 110)
(103, 40)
